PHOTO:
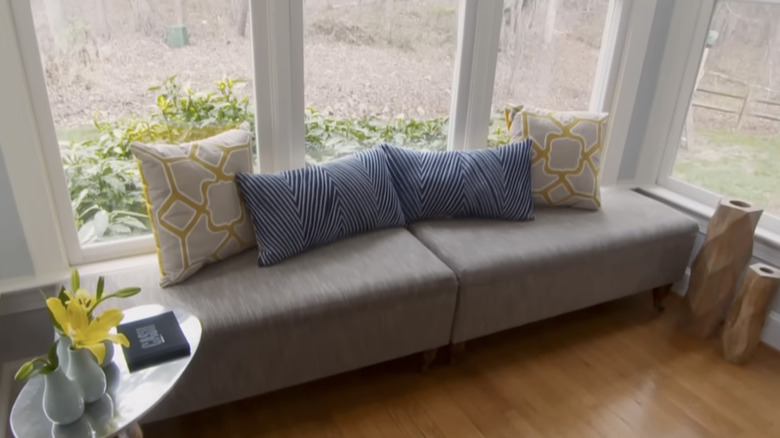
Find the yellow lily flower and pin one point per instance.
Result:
(84, 333)
(83, 298)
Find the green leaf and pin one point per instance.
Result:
(126, 292)
(99, 290)
(54, 361)
(25, 371)
(62, 296)
(74, 281)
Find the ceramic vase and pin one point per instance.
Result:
(62, 400)
(86, 374)
(62, 352)
(109, 354)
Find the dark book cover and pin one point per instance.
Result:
(153, 340)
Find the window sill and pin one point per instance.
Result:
(767, 243)
(21, 294)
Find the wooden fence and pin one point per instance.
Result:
(744, 109)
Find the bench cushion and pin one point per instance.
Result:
(512, 273)
(359, 301)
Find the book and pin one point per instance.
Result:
(153, 340)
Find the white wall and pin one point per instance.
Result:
(15, 258)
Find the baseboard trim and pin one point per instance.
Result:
(771, 334)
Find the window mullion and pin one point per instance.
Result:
(41, 150)
(479, 29)
(639, 16)
(677, 79)
(277, 46)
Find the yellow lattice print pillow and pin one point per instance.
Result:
(565, 156)
(193, 201)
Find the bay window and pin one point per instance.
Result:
(316, 79)
(548, 56)
(728, 116)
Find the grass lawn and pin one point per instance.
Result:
(735, 164)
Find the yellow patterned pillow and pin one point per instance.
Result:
(193, 201)
(565, 156)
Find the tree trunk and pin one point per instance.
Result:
(242, 12)
(181, 13)
(102, 28)
(143, 16)
(549, 21)
(58, 23)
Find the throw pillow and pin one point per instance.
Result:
(300, 209)
(490, 183)
(566, 155)
(193, 202)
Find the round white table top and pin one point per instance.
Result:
(129, 395)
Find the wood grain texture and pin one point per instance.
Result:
(616, 370)
(717, 268)
(747, 315)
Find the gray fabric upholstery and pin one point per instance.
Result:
(356, 302)
(513, 273)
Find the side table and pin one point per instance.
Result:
(128, 398)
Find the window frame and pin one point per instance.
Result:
(677, 101)
(276, 32)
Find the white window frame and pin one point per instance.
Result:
(277, 48)
(671, 109)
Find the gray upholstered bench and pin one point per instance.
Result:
(514, 273)
(353, 303)
(386, 294)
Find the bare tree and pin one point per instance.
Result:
(549, 21)
(240, 14)
(100, 20)
(58, 23)
(546, 66)
(142, 10)
(181, 12)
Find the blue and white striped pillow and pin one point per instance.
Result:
(490, 183)
(300, 209)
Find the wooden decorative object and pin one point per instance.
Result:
(716, 270)
(747, 315)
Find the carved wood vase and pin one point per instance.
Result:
(747, 315)
(717, 268)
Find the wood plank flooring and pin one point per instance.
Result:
(615, 370)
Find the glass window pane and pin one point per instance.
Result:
(158, 71)
(730, 144)
(377, 71)
(548, 54)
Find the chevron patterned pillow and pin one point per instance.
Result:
(300, 209)
(490, 183)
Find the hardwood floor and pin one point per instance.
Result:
(616, 370)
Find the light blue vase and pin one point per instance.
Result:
(62, 352)
(86, 374)
(62, 400)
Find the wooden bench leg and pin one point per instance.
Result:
(457, 350)
(428, 356)
(659, 293)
